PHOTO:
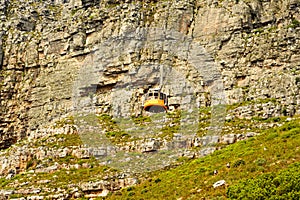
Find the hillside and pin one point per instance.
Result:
(64, 172)
(263, 167)
(74, 76)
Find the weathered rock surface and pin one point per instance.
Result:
(43, 45)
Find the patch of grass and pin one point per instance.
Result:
(117, 136)
(61, 178)
(65, 121)
(271, 136)
(269, 120)
(291, 133)
(4, 182)
(294, 24)
(60, 140)
(32, 163)
(112, 5)
(69, 140)
(258, 30)
(252, 102)
(141, 120)
(172, 126)
(112, 130)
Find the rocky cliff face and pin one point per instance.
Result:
(254, 46)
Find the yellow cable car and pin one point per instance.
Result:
(155, 101)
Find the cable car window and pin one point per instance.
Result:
(156, 95)
(150, 96)
(161, 96)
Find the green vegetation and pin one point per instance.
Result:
(269, 153)
(282, 185)
(255, 124)
(112, 130)
(141, 120)
(294, 24)
(172, 126)
(111, 5)
(115, 129)
(257, 165)
(258, 30)
(246, 103)
(59, 140)
(297, 80)
(61, 123)
(74, 11)
(61, 178)
(204, 120)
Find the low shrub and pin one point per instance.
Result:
(238, 163)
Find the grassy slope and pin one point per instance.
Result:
(273, 150)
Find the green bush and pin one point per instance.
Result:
(294, 24)
(260, 162)
(297, 80)
(157, 180)
(131, 194)
(238, 163)
(283, 185)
